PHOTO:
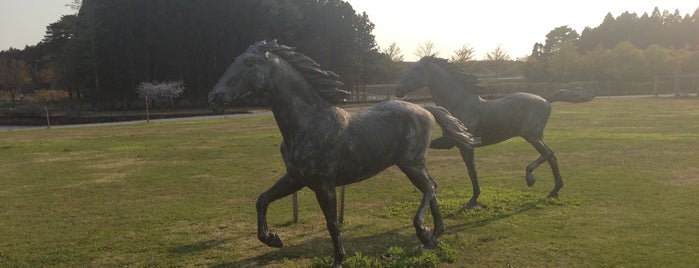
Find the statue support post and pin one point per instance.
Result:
(295, 204)
(295, 201)
(341, 217)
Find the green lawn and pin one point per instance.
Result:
(183, 194)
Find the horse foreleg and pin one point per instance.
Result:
(467, 156)
(283, 187)
(421, 179)
(434, 209)
(328, 203)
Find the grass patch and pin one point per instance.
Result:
(183, 194)
(498, 203)
(395, 257)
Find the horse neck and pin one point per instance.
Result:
(296, 105)
(449, 92)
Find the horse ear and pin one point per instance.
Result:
(268, 45)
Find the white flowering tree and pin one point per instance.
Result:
(163, 94)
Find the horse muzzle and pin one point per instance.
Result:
(216, 101)
(220, 99)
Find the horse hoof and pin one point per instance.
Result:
(552, 195)
(427, 247)
(273, 240)
(425, 235)
(531, 179)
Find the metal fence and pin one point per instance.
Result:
(383, 92)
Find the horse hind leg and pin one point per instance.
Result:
(530, 178)
(421, 179)
(553, 162)
(283, 187)
(468, 157)
(546, 155)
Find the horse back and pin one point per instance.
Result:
(517, 114)
(392, 127)
(384, 135)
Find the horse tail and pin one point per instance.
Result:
(574, 95)
(452, 127)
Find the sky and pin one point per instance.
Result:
(23, 22)
(514, 25)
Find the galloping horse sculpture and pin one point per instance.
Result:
(494, 121)
(323, 146)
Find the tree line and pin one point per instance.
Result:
(103, 52)
(625, 48)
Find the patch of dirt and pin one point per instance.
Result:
(684, 177)
(107, 171)
(111, 164)
(48, 158)
(103, 178)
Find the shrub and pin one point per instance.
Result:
(163, 94)
(46, 96)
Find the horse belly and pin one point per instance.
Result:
(496, 138)
(495, 131)
(346, 162)
(517, 115)
(360, 163)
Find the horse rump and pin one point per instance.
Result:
(574, 95)
(452, 127)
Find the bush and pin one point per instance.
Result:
(46, 96)
(162, 94)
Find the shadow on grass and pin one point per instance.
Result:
(322, 247)
(375, 244)
(498, 204)
(200, 246)
(501, 206)
(485, 215)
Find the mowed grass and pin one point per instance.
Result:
(183, 194)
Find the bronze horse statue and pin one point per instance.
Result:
(494, 121)
(324, 146)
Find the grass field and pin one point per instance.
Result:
(183, 194)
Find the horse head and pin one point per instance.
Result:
(414, 78)
(247, 75)
(251, 74)
(439, 74)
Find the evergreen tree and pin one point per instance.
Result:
(128, 42)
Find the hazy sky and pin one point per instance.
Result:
(513, 24)
(23, 22)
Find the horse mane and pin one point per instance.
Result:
(469, 82)
(326, 83)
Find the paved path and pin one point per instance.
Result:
(176, 119)
(122, 123)
(7, 128)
